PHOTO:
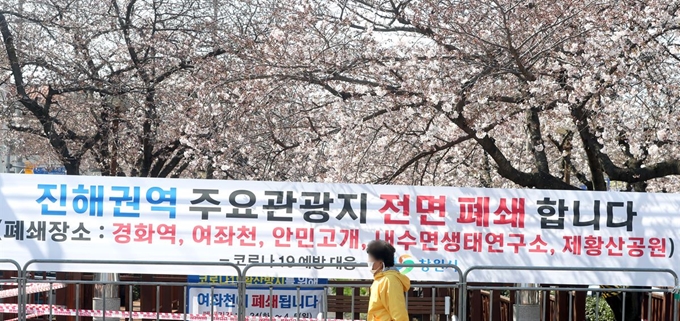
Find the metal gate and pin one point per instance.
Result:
(427, 301)
(548, 313)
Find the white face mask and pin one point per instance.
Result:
(370, 266)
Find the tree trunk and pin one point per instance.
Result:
(633, 306)
(72, 167)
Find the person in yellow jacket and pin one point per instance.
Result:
(387, 300)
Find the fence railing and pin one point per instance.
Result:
(569, 290)
(15, 284)
(458, 285)
(498, 306)
(446, 299)
(109, 312)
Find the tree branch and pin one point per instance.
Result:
(590, 143)
(539, 179)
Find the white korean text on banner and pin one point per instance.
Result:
(265, 296)
(244, 222)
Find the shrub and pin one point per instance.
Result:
(605, 313)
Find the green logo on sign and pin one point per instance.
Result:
(406, 259)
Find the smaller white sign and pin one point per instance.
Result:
(260, 302)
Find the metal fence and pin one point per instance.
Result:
(496, 303)
(547, 314)
(447, 300)
(27, 310)
(433, 301)
(15, 287)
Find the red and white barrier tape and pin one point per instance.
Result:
(32, 309)
(27, 283)
(30, 316)
(13, 308)
(32, 288)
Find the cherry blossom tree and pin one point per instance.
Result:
(111, 83)
(550, 94)
(502, 93)
(553, 95)
(499, 94)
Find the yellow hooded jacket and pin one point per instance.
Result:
(387, 301)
